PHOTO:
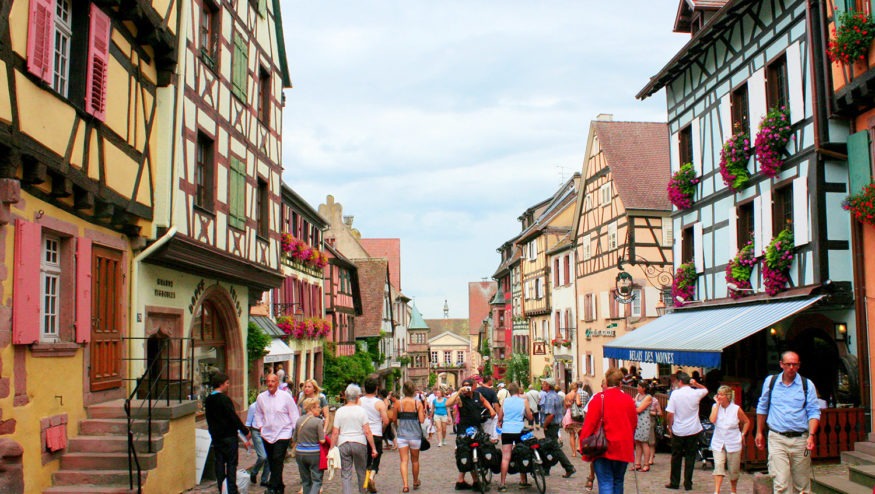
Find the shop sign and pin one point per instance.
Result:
(623, 284)
(611, 333)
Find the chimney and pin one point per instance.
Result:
(605, 117)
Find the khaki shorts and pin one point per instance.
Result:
(441, 418)
(722, 458)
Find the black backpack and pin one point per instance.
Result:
(473, 407)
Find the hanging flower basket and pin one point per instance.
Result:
(734, 158)
(684, 285)
(313, 328)
(740, 268)
(682, 186)
(862, 204)
(774, 134)
(299, 251)
(777, 259)
(851, 41)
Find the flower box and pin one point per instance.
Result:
(862, 205)
(777, 259)
(682, 186)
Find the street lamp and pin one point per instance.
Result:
(735, 288)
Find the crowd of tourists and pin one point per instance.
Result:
(610, 429)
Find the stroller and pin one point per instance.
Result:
(703, 449)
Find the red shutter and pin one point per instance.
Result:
(83, 290)
(26, 283)
(40, 29)
(98, 60)
(614, 305)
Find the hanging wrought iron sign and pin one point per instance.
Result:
(624, 293)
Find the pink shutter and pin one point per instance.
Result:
(26, 283)
(83, 290)
(98, 60)
(40, 28)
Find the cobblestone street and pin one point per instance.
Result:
(438, 475)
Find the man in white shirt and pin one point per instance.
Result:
(682, 417)
(276, 416)
(502, 393)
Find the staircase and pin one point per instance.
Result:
(96, 461)
(861, 472)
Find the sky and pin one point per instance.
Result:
(440, 123)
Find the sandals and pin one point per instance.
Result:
(645, 469)
(416, 485)
(589, 484)
(405, 489)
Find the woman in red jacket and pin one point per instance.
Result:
(617, 410)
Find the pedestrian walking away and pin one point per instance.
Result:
(276, 416)
(309, 436)
(261, 462)
(511, 422)
(788, 405)
(553, 410)
(378, 420)
(411, 414)
(683, 424)
(352, 435)
(471, 404)
(223, 424)
(731, 426)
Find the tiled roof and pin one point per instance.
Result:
(457, 326)
(389, 248)
(372, 285)
(638, 155)
(479, 295)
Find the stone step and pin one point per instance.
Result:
(857, 458)
(837, 484)
(108, 478)
(862, 474)
(865, 447)
(114, 409)
(119, 426)
(111, 444)
(89, 489)
(106, 461)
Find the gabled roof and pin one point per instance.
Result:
(686, 8)
(373, 277)
(637, 154)
(416, 320)
(554, 206)
(281, 43)
(450, 335)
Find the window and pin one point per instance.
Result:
(264, 96)
(203, 172)
(588, 307)
(590, 365)
(50, 272)
(587, 203)
(746, 224)
(687, 251)
(667, 232)
(539, 293)
(566, 268)
(434, 358)
(262, 209)
(237, 194)
(63, 36)
(635, 306)
(557, 323)
(605, 194)
(612, 236)
(460, 358)
(614, 306)
(209, 33)
(448, 358)
(587, 247)
(776, 83)
(533, 250)
(782, 217)
(685, 145)
(739, 102)
(240, 68)
(557, 280)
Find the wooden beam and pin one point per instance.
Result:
(35, 172)
(61, 186)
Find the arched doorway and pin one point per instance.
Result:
(820, 359)
(216, 341)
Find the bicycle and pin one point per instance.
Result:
(483, 455)
(531, 462)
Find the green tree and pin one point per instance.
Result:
(256, 343)
(432, 379)
(487, 356)
(340, 371)
(518, 369)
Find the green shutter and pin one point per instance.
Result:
(237, 194)
(859, 161)
(262, 7)
(240, 67)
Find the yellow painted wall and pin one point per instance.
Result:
(176, 460)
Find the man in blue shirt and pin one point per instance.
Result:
(554, 410)
(789, 406)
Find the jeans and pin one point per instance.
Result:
(683, 448)
(353, 457)
(552, 431)
(311, 476)
(610, 475)
(261, 456)
(374, 463)
(276, 455)
(225, 451)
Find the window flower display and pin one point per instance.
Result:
(740, 268)
(774, 134)
(777, 259)
(313, 328)
(734, 158)
(851, 41)
(684, 285)
(862, 205)
(682, 186)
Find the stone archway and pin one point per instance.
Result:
(812, 337)
(217, 338)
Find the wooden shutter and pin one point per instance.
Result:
(796, 92)
(83, 290)
(758, 244)
(698, 248)
(733, 231)
(765, 217)
(675, 152)
(801, 232)
(604, 304)
(240, 67)
(98, 60)
(726, 117)
(614, 305)
(859, 161)
(697, 148)
(262, 7)
(26, 283)
(237, 194)
(40, 39)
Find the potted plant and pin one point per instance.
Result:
(682, 186)
(739, 270)
(734, 158)
(776, 262)
(850, 42)
(774, 134)
(566, 343)
(684, 285)
(862, 204)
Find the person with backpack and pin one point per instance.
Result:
(474, 410)
(788, 405)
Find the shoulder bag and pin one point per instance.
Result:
(424, 445)
(596, 445)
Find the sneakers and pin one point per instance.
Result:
(502, 488)
(475, 486)
(439, 444)
(463, 486)
(569, 473)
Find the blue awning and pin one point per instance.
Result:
(697, 337)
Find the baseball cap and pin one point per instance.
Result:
(500, 385)
(549, 380)
(468, 382)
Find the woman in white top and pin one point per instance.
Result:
(730, 426)
(352, 436)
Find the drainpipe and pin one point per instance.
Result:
(135, 279)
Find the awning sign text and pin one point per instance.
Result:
(651, 356)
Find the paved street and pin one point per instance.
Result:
(439, 475)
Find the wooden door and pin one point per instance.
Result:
(106, 319)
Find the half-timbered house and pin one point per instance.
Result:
(79, 152)
(502, 309)
(620, 223)
(543, 226)
(566, 365)
(779, 210)
(342, 300)
(418, 334)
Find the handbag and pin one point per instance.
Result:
(596, 445)
(576, 412)
(424, 445)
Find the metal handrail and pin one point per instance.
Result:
(155, 371)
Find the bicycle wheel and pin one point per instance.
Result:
(540, 480)
(484, 477)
